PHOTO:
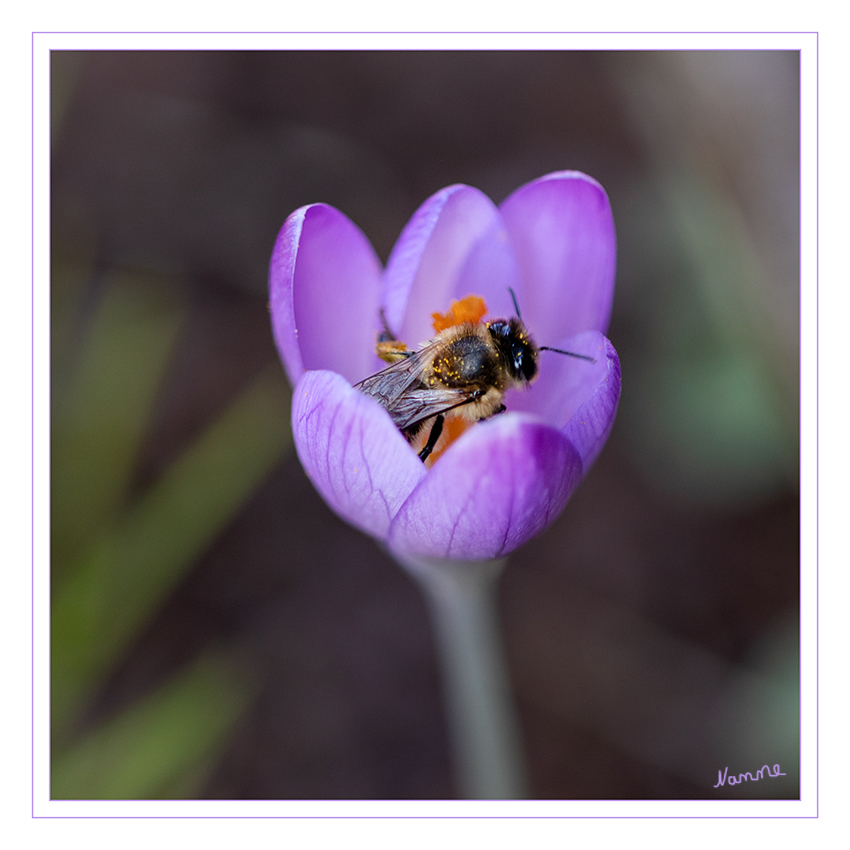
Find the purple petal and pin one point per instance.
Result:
(324, 288)
(455, 245)
(351, 451)
(590, 425)
(575, 396)
(501, 483)
(563, 233)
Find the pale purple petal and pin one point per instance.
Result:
(590, 425)
(501, 483)
(351, 451)
(455, 245)
(325, 281)
(563, 233)
(281, 302)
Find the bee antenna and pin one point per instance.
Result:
(569, 353)
(516, 305)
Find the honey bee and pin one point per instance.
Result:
(465, 371)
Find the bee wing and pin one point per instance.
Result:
(389, 384)
(420, 405)
(409, 401)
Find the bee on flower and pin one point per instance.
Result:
(362, 428)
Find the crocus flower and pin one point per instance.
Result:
(506, 479)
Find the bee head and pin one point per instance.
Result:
(515, 347)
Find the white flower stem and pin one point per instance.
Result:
(483, 727)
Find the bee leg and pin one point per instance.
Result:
(389, 348)
(386, 334)
(436, 430)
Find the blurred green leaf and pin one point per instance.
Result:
(114, 561)
(99, 416)
(730, 284)
(712, 405)
(716, 431)
(159, 747)
(133, 565)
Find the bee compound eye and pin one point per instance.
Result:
(523, 361)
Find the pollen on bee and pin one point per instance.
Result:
(469, 309)
(391, 350)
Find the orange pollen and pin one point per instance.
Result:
(469, 309)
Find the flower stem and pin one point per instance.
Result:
(483, 726)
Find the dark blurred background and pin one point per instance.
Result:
(217, 631)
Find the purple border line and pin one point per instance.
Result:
(426, 32)
(32, 425)
(817, 431)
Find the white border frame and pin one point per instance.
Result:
(806, 807)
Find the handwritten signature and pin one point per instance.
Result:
(763, 771)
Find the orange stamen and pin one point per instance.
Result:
(469, 309)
